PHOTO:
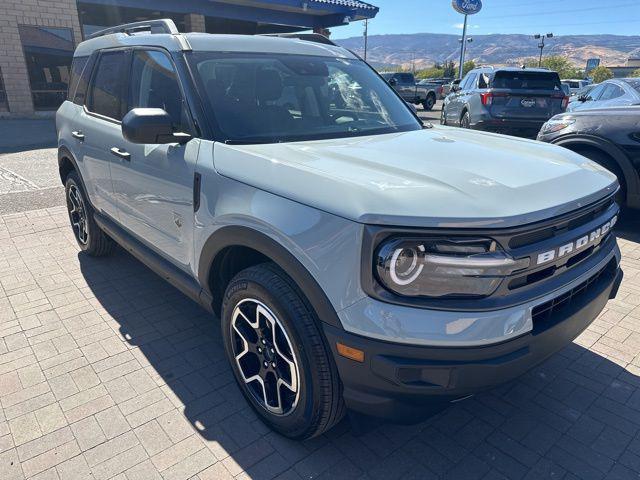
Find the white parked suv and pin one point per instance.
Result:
(357, 258)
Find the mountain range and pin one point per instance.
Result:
(426, 49)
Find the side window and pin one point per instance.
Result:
(470, 82)
(404, 78)
(77, 65)
(105, 97)
(483, 80)
(154, 84)
(611, 92)
(78, 93)
(596, 92)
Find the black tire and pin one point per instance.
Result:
(465, 121)
(318, 405)
(607, 162)
(429, 103)
(91, 239)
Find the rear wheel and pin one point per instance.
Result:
(91, 239)
(278, 355)
(465, 121)
(429, 103)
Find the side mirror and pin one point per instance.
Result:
(150, 125)
(393, 82)
(583, 98)
(455, 87)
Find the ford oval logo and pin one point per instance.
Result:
(467, 7)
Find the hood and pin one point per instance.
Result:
(440, 177)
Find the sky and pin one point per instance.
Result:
(561, 17)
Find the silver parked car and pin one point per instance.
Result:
(355, 258)
(505, 100)
(610, 93)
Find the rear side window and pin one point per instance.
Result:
(80, 79)
(612, 92)
(77, 65)
(106, 95)
(526, 80)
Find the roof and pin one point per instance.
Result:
(348, 3)
(208, 42)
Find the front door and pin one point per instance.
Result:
(154, 183)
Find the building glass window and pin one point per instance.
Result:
(4, 105)
(48, 52)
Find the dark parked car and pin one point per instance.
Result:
(505, 100)
(608, 136)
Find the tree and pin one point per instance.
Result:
(558, 64)
(600, 74)
(636, 73)
(431, 72)
(467, 67)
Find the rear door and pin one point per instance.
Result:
(99, 127)
(526, 95)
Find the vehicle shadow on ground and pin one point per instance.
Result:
(578, 412)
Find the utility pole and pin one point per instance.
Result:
(366, 35)
(462, 46)
(541, 37)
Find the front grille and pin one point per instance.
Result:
(571, 223)
(547, 311)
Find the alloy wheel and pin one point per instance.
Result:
(264, 356)
(78, 214)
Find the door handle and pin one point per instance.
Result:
(78, 134)
(121, 153)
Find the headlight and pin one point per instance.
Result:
(443, 267)
(556, 125)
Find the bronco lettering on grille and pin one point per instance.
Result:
(580, 243)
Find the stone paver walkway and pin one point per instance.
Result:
(107, 372)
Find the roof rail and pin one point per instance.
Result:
(164, 25)
(307, 37)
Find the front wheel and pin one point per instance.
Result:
(278, 355)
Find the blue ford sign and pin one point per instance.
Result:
(467, 7)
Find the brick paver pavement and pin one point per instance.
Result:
(107, 372)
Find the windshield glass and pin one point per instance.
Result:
(257, 98)
(634, 83)
(527, 80)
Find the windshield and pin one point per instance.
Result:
(521, 80)
(257, 98)
(634, 83)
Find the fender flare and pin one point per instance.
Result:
(611, 149)
(241, 236)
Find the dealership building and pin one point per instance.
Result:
(37, 37)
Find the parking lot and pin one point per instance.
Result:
(106, 371)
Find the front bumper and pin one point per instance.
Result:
(400, 382)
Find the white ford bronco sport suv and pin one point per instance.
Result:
(357, 258)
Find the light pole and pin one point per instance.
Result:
(366, 35)
(464, 52)
(541, 37)
(463, 43)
